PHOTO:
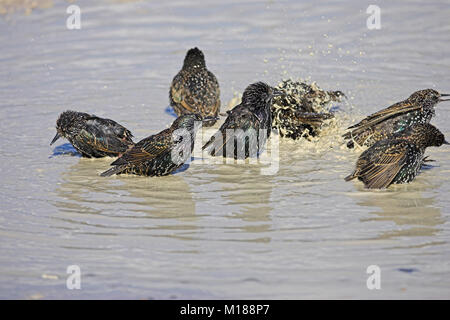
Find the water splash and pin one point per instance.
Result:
(329, 135)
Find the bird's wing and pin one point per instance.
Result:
(373, 119)
(147, 149)
(238, 118)
(379, 171)
(94, 140)
(114, 127)
(105, 135)
(214, 93)
(194, 94)
(180, 94)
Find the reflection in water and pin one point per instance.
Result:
(65, 149)
(405, 205)
(170, 111)
(161, 197)
(84, 191)
(246, 195)
(191, 235)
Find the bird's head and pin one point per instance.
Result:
(259, 94)
(427, 97)
(64, 124)
(194, 58)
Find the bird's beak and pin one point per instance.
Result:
(57, 136)
(444, 95)
(445, 142)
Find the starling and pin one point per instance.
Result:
(162, 153)
(418, 108)
(93, 136)
(397, 159)
(300, 112)
(195, 89)
(248, 125)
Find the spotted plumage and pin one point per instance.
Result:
(247, 125)
(195, 89)
(417, 109)
(162, 153)
(301, 112)
(397, 159)
(93, 136)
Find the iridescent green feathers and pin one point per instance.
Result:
(398, 158)
(93, 136)
(162, 153)
(247, 126)
(417, 109)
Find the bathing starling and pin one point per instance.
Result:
(247, 125)
(397, 159)
(418, 108)
(195, 89)
(301, 111)
(93, 136)
(162, 153)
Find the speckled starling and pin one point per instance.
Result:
(418, 108)
(398, 158)
(247, 125)
(300, 112)
(195, 89)
(162, 153)
(93, 136)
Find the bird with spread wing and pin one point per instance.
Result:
(397, 159)
(417, 109)
(302, 110)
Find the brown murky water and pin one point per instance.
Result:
(216, 230)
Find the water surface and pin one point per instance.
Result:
(223, 230)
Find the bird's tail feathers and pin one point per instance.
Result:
(347, 135)
(113, 170)
(208, 143)
(313, 118)
(350, 177)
